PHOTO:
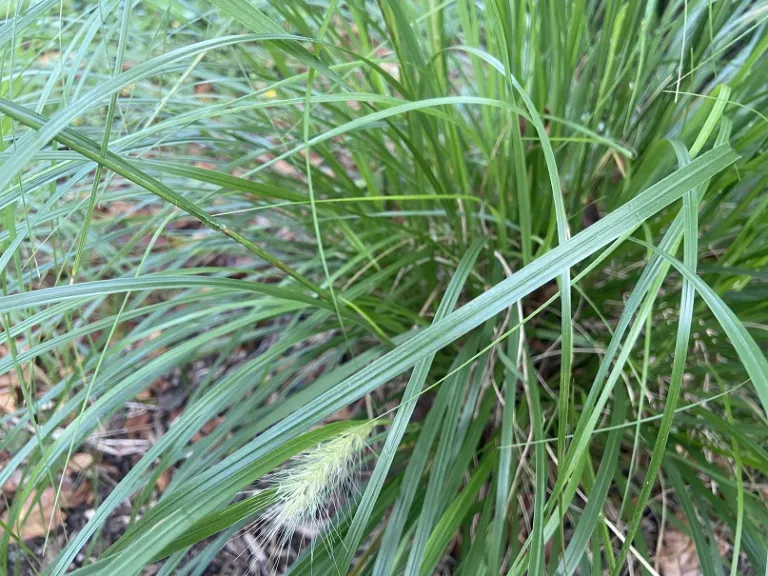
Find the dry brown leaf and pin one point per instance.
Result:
(314, 158)
(285, 168)
(175, 413)
(12, 483)
(203, 88)
(393, 68)
(344, 413)
(79, 462)
(160, 385)
(137, 425)
(49, 56)
(211, 425)
(11, 379)
(678, 555)
(207, 428)
(157, 352)
(317, 161)
(281, 166)
(7, 400)
(74, 495)
(36, 516)
(163, 480)
(107, 470)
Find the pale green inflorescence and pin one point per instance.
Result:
(319, 479)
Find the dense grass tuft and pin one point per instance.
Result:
(527, 239)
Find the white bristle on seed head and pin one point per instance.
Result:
(317, 479)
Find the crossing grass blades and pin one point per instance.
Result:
(499, 265)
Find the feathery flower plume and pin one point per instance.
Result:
(314, 486)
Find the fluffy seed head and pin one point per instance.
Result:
(319, 479)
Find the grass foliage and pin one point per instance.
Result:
(528, 238)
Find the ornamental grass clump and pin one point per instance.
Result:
(533, 235)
